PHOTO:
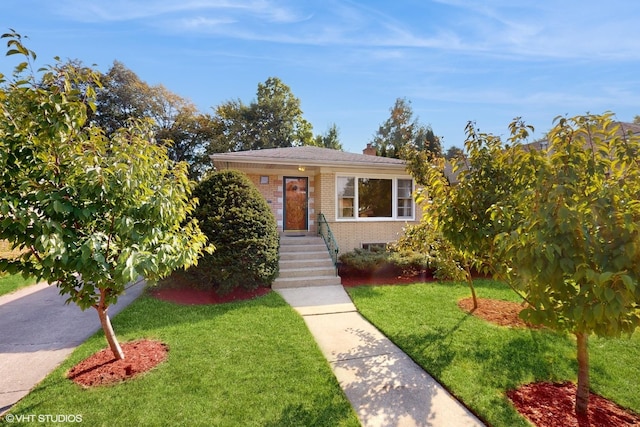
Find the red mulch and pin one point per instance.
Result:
(552, 405)
(191, 296)
(102, 368)
(503, 313)
(385, 278)
(186, 288)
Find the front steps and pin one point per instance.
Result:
(304, 262)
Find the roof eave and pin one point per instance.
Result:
(305, 162)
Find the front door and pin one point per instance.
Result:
(295, 204)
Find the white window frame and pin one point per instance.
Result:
(394, 194)
(410, 198)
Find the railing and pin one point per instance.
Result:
(325, 231)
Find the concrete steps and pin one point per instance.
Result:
(304, 262)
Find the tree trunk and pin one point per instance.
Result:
(473, 290)
(114, 345)
(582, 395)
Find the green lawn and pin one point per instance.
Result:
(251, 363)
(12, 282)
(479, 361)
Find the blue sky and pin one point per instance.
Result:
(348, 61)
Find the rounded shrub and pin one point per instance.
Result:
(238, 222)
(377, 260)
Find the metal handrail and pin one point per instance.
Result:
(325, 232)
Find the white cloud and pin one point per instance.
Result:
(588, 29)
(497, 28)
(125, 10)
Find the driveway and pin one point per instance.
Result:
(38, 331)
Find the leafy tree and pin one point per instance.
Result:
(636, 120)
(92, 213)
(232, 127)
(574, 249)
(185, 131)
(273, 120)
(457, 225)
(454, 153)
(401, 130)
(176, 120)
(561, 225)
(330, 139)
(123, 96)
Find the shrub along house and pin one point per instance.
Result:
(365, 199)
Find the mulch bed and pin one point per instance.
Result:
(552, 405)
(192, 296)
(498, 312)
(102, 368)
(384, 276)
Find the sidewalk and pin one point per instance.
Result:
(38, 331)
(385, 387)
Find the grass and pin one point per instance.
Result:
(250, 363)
(478, 362)
(12, 282)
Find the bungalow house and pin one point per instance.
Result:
(364, 198)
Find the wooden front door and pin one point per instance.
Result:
(295, 203)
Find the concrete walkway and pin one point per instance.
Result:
(38, 331)
(385, 387)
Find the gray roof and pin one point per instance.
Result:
(308, 155)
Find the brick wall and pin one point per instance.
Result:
(351, 235)
(273, 193)
(326, 198)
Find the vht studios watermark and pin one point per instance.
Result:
(43, 418)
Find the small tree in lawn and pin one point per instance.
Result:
(93, 213)
(457, 227)
(574, 250)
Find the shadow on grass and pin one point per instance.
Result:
(327, 414)
(436, 345)
(524, 358)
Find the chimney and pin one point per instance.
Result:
(369, 151)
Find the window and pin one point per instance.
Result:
(346, 197)
(405, 202)
(374, 246)
(374, 197)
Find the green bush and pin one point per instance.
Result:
(362, 261)
(237, 220)
(365, 259)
